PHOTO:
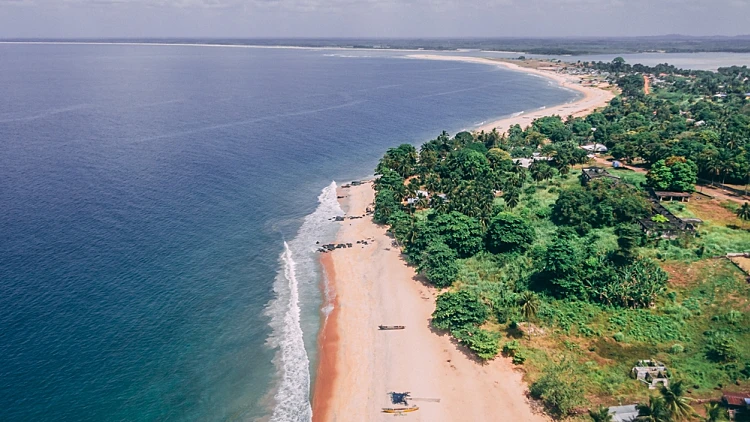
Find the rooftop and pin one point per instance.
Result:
(626, 413)
(736, 399)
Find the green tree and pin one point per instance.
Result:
(675, 402)
(721, 347)
(601, 414)
(673, 174)
(439, 265)
(460, 232)
(558, 390)
(390, 179)
(629, 237)
(456, 310)
(507, 232)
(715, 413)
(653, 411)
(479, 341)
(660, 176)
(386, 203)
(512, 197)
(465, 164)
(528, 304)
(743, 212)
(402, 160)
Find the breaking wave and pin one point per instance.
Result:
(297, 277)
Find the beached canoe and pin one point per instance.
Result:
(400, 409)
(391, 327)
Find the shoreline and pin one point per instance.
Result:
(373, 285)
(328, 341)
(592, 97)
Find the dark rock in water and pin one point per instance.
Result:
(348, 245)
(339, 218)
(318, 242)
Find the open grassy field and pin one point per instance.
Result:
(706, 305)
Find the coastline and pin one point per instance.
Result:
(592, 97)
(373, 285)
(328, 341)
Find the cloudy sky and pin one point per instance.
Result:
(370, 18)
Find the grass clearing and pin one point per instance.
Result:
(602, 343)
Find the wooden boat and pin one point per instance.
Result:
(391, 327)
(400, 409)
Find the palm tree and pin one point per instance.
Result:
(547, 172)
(743, 213)
(654, 411)
(528, 303)
(675, 402)
(715, 413)
(600, 415)
(512, 197)
(439, 204)
(537, 171)
(422, 201)
(412, 188)
(432, 183)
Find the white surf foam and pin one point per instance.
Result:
(297, 277)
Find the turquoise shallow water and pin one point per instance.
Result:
(148, 193)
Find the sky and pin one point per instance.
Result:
(369, 18)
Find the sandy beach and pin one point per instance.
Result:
(372, 284)
(361, 364)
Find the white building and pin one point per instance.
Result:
(595, 148)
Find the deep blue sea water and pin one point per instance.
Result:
(159, 208)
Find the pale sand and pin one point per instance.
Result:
(592, 99)
(374, 286)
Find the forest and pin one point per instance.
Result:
(576, 274)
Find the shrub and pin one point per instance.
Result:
(439, 265)
(721, 347)
(619, 337)
(676, 349)
(510, 348)
(479, 341)
(519, 358)
(508, 232)
(558, 391)
(460, 232)
(456, 310)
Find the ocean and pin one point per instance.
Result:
(160, 208)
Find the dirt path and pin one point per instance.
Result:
(374, 286)
(646, 85)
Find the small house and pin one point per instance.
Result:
(737, 403)
(651, 373)
(591, 173)
(626, 413)
(597, 148)
(682, 196)
(736, 400)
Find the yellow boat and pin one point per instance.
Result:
(400, 409)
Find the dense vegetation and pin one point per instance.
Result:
(554, 271)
